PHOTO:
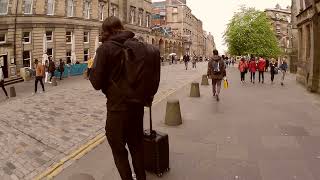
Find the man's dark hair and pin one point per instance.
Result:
(36, 61)
(110, 26)
(215, 52)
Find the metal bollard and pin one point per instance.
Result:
(173, 113)
(195, 90)
(81, 176)
(13, 91)
(54, 81)
(205, 81)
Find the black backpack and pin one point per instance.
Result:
(138, 76)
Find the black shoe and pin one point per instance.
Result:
(218, 99)
(282, 84)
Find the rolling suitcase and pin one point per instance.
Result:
(156, 151)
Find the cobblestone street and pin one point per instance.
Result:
(38, 131)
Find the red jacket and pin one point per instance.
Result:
(261, 65)
(242, 66)
(252, 66)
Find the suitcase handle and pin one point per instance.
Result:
(152, 132)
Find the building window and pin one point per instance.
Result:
(50, 52)
(148, 20)
(68, 36)
(86, 37)
(101, 11)
(132, 14)
(175, 10)
(26, 37)
(50, 7)
(28, 6)
(85, 54)
(3, 7)
(308, 44)
(87, 6)
(2, 37)
(140, 18)
(49, 35)
(114, 10)
(26, 58)
(174, 17)
(70, 8)
(68, 55)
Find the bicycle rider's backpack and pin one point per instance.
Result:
(139, 74)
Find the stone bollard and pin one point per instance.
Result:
(173, 113)
(54, 81)
(195, 90)
(81, 177)
(205, 81)
(13, 91)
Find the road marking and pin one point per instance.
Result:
(57, 168)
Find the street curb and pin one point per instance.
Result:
(54, 170)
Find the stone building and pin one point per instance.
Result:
(209, 44)
(179, 17)
(281, 21)
(25, 24)
(308, 20)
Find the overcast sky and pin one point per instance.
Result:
(215, 14)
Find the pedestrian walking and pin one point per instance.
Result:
(267, 65)
(273, 69)
(51, 69)
(252, 69)
(39, 75)
(90, 64)
(125, 106)
(261, 69)
(172, 59)
(216, 71)
(61, 68)
(186, 59)
(2, 83)
(194, 62)
(283, 68)
(243, 68)
(46, 69)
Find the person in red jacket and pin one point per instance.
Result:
(253, 69)
(261, 69)
(243, 68)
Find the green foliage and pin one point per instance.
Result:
(250, 32)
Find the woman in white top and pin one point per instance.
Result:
(2, 82)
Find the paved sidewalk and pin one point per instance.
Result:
(256, 132)
(38, 131)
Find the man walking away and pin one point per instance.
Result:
(186, 59)
(267, 64)
(261, 69)
(194, 62)
(51, 68)
(253, 69)
(216, 71)
(2, 83)
(125, 104)
(283, 68)
(90, 63)
(39, 75)
(61, 68)
(272, 69)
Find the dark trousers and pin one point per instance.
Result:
(253, 76)
(272, 76)
(61, 73)
(4, 89)
(88, 72)
(38, 78)
(242, 75)
(261, 75)
(51, 75)
(126, 128)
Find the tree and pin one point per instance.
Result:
(250, 32)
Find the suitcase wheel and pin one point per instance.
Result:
(160, 174)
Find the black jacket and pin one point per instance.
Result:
(107, 59)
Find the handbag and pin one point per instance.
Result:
(225, 84)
